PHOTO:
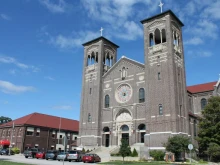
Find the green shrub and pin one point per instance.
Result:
(157, 155)
(87, 151)
(134, 153)
(16, 150)
(83, 150)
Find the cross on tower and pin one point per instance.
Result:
(161, 6)
(101, 30)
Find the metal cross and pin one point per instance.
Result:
(101, 30)
(161, 6)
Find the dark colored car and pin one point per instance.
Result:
(51, 155)
(6, 152)
(91, 158)
(31, 152)
(62, 156)
(40, 155)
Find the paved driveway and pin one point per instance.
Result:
(22, 159)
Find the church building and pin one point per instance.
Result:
(141, 102)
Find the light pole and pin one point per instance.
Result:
(11, 139)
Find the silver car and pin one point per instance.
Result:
(62, 156)
(75, 155)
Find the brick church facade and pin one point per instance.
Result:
(141, 102)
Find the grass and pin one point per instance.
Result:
(142, 163)
(11, 163)
(135, 163)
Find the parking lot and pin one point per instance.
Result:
(22, 159)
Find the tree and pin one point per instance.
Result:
(157, 155)
(209, 125)
(177, 145)
(214, 152)
(125, 149)
(4, 119)
(134, 153)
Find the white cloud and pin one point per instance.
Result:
(212, 11)
(5, 17)
(4, 102)
(59, 7)
(8, 87)
(199, 53)
(11, 60)
(121, 14)
(12, 71)
(194, 41)
(62, 107)
(49, 78)
(74, 41)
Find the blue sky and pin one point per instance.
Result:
(41, 53)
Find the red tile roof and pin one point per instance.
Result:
(43, 120)
(201, 87)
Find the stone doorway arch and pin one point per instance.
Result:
(124, 125)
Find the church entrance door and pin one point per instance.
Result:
(126, 137)
(107, 140)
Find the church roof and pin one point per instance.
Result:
(162, 14)
(124, 58)
(43, 120)
(202, 87)
(100, 38)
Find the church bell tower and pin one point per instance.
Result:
(100, 55)
(166, 104)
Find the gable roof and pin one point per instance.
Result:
(126, 59)
(99, 38)
(43, 120)
(161, 14)
(201, 87)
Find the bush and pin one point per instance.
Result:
(157, 155)
(16, 150)
(87, 151)
(83, 150)
(134, 153)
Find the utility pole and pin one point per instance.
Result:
(11, 138)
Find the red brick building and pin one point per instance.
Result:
(39, 131)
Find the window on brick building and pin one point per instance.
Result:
(203, 103)
(30, 133)
(141, 95)
(160, 109)
(107, 100)
(38, 134)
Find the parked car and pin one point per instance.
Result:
(31, 152)
(6, 151)
(75, 155)
(51, 155)
(40, 155)
(62, 156)
(91, 158)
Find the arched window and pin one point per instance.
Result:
(160, 109)
(141, 95)
(151, 40)
(124, 128)
(157, 37)
(195, 129)
(106, 129)
(164, 36)
(203, 103)
(107, 99)
(141, 127)
(89, 117)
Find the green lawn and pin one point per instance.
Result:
(140, 163)
(136, 163)
(11, 163)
